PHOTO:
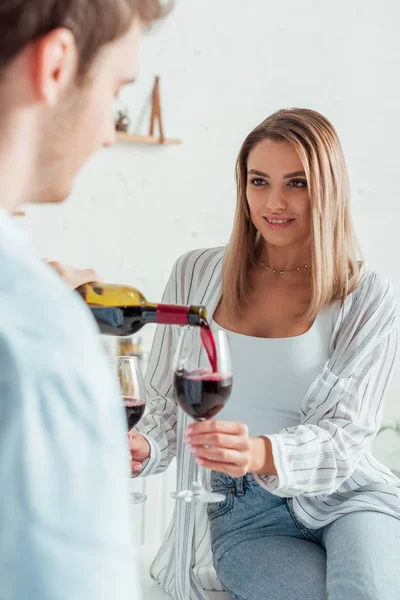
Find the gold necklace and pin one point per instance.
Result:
(277, 271)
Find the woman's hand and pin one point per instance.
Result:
(139, 449)
(74, 277)
(226, 447)
(221, 446)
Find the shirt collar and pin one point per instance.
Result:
(12, 237)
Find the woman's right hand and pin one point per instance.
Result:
(140, 450)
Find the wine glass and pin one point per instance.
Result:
(202, 390)
(133, 397)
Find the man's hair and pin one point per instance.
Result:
(93, 23)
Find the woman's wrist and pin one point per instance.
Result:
(262, 461)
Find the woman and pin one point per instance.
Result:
(309, 513)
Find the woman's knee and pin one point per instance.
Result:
(363, 554)
(280, 568)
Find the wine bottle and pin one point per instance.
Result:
(122, 310)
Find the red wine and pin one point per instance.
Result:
(208, 342)
(134, 409)
(202, 394)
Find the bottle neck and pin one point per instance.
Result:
(170, 314)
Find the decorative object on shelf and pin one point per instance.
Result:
(155, 119)
(123, 121)
(156, 115)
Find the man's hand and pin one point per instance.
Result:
(74, 277)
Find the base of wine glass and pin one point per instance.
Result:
(136, 498)
(198, 495)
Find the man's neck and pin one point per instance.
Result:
(7, 203)
(16, 163)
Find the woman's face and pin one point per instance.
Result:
(277, 194)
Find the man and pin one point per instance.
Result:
(64, 520)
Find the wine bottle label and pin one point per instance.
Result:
(169, 314)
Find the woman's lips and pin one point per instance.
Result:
(277, 223)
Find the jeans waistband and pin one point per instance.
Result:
(240, 484)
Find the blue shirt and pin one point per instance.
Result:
(64, 516)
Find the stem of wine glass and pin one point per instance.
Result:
(197, 481)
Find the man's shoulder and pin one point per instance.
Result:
(49, 347)
(47, 333)
(34, 301)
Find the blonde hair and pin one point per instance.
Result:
(334, 247)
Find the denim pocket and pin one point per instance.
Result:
(217, 509)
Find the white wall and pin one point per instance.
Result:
(225, 66)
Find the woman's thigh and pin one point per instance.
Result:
(363, 557)
(274, 568)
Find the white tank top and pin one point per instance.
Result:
(272, 375)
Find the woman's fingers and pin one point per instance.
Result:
(220, 440)
(221, 455)
(230, 469)
(138, 445)
(136, 467)
(229, 427)
(222, 446)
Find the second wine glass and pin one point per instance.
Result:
(202, 390)
(133, 394)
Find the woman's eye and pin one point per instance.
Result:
(298, 183)
(258, 182)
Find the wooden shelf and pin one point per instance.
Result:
(145, 139)
(19, 213)
(156, 118)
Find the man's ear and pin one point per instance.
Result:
(55, 65)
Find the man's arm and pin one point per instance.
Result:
(64, 517)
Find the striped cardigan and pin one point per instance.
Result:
(324, 465)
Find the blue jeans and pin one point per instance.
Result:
(262, 552)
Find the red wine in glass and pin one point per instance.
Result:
(202, 394)
(133, 395)
(134, 408)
